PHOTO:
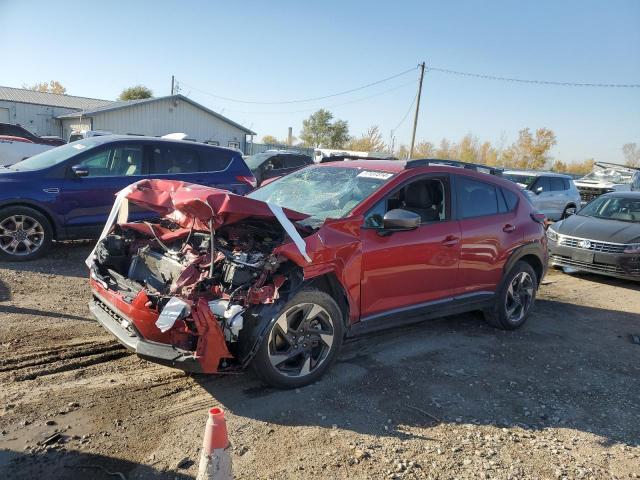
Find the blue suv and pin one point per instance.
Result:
(67, 192)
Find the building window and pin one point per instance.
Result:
(234, 144)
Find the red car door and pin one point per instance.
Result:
(489, 233)
(408, 268)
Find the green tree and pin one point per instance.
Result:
(444, 152)
(319, 131)
(271, 140)
(631, 154)
(53, 86)
(371, 141)
(424, 150)
(529, 151)
(403, 152)
(135, 93)
(468, 149)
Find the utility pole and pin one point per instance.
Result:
(415, 119)
(173, 80)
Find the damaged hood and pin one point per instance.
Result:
(191, 204)
(189, 201)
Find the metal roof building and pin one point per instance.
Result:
(53, 114)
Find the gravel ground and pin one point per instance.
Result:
(450, 398)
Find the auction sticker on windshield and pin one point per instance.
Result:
(375, 174)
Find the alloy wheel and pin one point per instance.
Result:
(20, 235)
(301, 339)
(519, 297)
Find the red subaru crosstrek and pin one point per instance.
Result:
(278, 278)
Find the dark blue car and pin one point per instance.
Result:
(67, 192)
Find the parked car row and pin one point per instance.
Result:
(317, 253)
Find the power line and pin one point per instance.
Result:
(383, 92)
(303, 100)
(539, 82)
(393, 130)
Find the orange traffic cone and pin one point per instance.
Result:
(215, 460)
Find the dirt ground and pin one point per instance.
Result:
(450, 398)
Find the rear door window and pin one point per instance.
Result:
(542, 182)
(556, 184)
(169, 159)
(476, 199)
(294, 161)
(276, 163)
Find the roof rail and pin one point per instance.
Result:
(608, 164)
(425, 162)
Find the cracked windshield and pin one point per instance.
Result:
(323, 192)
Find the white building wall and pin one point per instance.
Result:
(169, 116)
(38, 119)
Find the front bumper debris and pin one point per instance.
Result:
(161, 353)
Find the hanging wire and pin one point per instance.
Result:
(302, 100)
(393, 130)
(412, 82)
(538, 82)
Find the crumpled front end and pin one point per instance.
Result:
(183, 289)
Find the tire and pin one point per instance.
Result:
(515, 298)
(565, 213)
(291, 355)
(25, 234)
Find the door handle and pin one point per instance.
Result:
(450, 241)
(508, 228)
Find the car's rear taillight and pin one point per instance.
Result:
(248, 179)
(538, 217)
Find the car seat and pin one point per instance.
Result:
(418, 198)
(132, 168)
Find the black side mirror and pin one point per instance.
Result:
(399, 219)
(538, 190)
(80, 171)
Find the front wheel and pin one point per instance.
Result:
(515, 298)
(25, 234)
(302, 343)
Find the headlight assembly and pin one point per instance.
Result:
(632, 248)
(552, 234)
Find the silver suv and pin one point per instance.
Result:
(553, 194)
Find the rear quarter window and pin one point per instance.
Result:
(212, 160)
(510, 198)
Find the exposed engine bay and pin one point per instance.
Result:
(190, 287)
(166, 261)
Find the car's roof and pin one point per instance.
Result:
(282, 152)
(391, 166)
(535, 173)
(626, 194)
(398, 166)
(101, 139)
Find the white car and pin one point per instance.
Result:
(16, 149)
(608, 177)
(553, 194)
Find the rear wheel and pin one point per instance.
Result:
(25, 234)
(302, 343)
(515, 298)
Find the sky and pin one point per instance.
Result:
(287, 50)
